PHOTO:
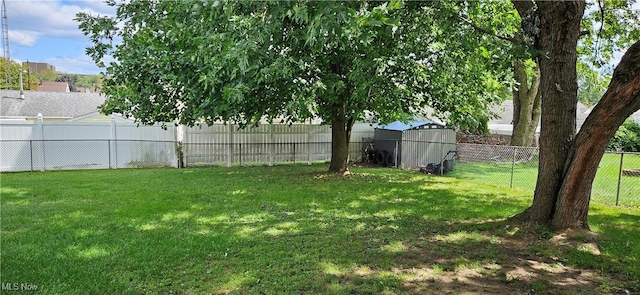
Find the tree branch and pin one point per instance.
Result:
(523, 6)
(489, 32)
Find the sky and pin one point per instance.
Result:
(44, 31)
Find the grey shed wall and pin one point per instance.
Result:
(423, 146)
(416, 147)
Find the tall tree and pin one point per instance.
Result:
(92, 82)
(568, 162)
(527, 102)
(247, 61)
(29, 82)
(501, 20)
(47, 75)
(527, 97)
(70, 79)
(606, 28)
(620, 101)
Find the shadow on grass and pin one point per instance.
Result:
(621, 244)
(279, 230)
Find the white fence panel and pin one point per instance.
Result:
(75, 131)
(265, 144)
(16, 130)
(40, 145)
(145, 146)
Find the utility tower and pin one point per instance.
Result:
(5, 44)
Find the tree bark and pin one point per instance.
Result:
(620, 101)
(340, 137)
(526, 106)
(568, 163)
(559, 31)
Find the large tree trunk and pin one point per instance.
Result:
(568, 163)
(340, 137)
(620, 101)
(526, 105)
(559, 31)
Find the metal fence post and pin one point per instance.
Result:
(31, 153)
(114, 141)
(417, 146)
(513, 164)
(42, 152)
(309, 145)
(441, 155)
(240, 154)
(619, 177)
(109, 151)
(272, 144)
(230, 146)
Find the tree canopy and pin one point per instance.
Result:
(193, 61)
(47, 75)
(30, 82)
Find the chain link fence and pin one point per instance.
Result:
(41, 155)
(617, 180)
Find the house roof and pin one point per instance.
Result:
(49, 104)
(636, 117)
(53, 86)
(505, 113)
(401, 126)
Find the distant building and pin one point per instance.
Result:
(503, 125)
(46, 86)
(84, 89)
(38, 67)
(54, 106)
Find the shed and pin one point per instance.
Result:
(413, 144)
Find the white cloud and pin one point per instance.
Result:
(96, 5)
(24, 38)
(50, 18)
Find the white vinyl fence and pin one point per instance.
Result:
(221, 144)
(31, 146)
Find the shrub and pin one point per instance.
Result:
(627, 138)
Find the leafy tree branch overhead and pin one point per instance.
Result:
(191, 61)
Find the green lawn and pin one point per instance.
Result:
(605, 185)
(293, 230)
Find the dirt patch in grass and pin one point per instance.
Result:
(498, 261)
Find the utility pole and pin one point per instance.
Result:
(21, 85)
(5, 44)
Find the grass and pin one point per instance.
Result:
(605, 185)
(292, 230)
